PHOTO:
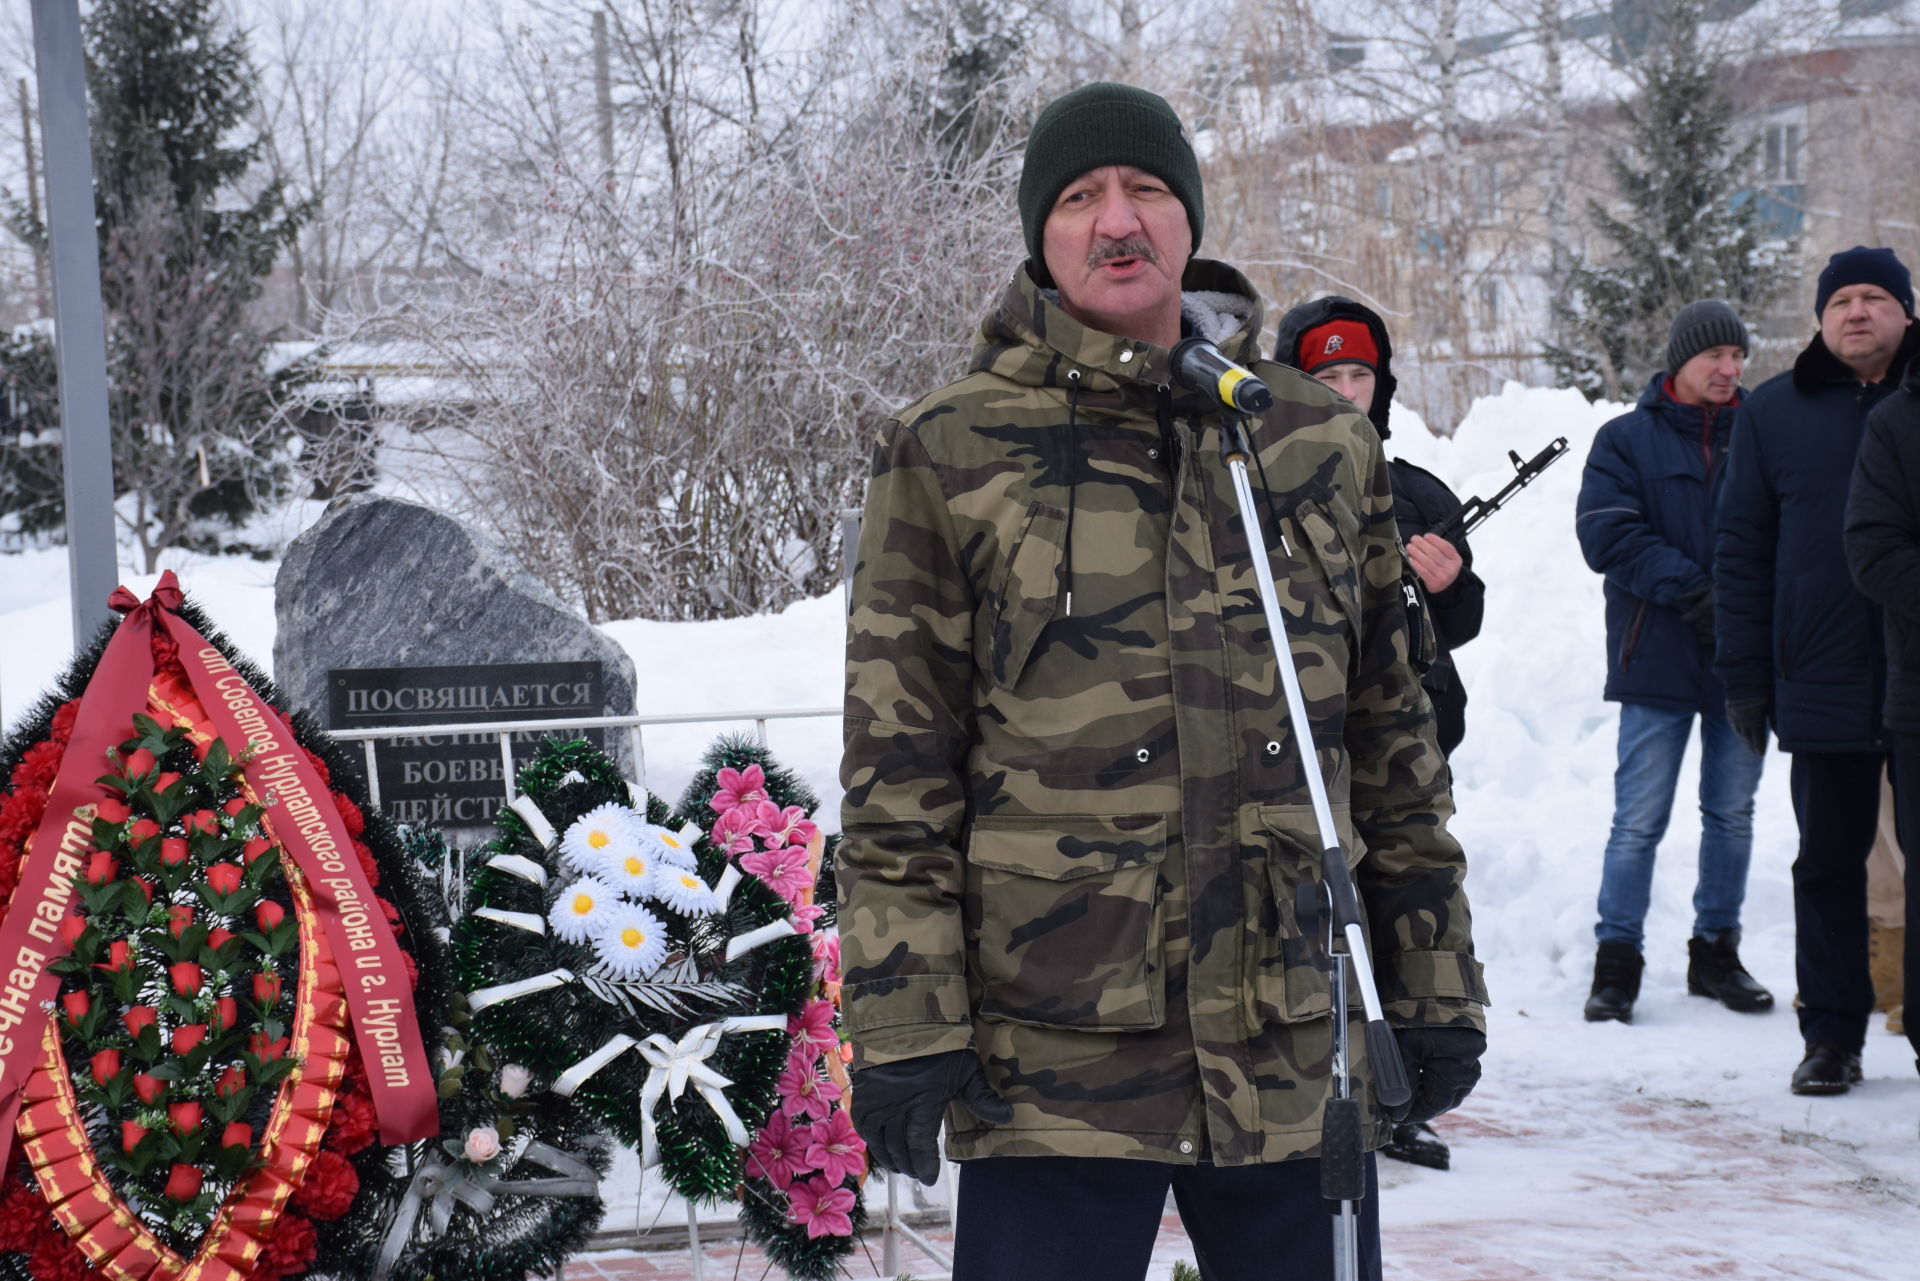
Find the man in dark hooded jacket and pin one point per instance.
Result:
(1645, 520)
(1345, 345)
(1883, 551)
(1800, 648)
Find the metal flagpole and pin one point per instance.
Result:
(80, 345)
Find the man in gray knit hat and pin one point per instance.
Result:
(1643, 521)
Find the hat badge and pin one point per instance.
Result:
(1334, 343)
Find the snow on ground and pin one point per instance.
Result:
(1670, 1148)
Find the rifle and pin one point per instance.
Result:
(1475, 510)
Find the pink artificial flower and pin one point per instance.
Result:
(805, 1093)
(814, 1024)
(790, 827)
(785, 871)
(733, 831)
(824, 1209)
(738, 786)
(805, 915)
(778, 1153)
(836, 1150)
(826, 958)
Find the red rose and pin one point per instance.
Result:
(119, 957)
(218, 937)
(102, 867)
(167, 779)
(138, 1017)
(183, 1184)
(144, 829)
(106, 1066)
(231, 1081)
(226, 1012)
(71, 929)
(131, 1133)
(173, 851)
(186, 1117)
(266, 987)
(185, 977)
(187, 1036)
(330, 1186)
(238, 1134)
(225, 878)
(201, 749)
(148, 1088)
(202, 821)
(146, 887)
(264, 1049)
(233, 806)
(179, 917)
(254, 848)
(139, 763)
(112, 809)
(269, 914)
(77, 1005)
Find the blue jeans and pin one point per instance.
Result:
(1652, 741)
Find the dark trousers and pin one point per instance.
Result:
(1053, 1218)
(1906, 808)
(1836, 797)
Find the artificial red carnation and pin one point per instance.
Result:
(23, 1216)
(22, 814)
(39, 764)
(330, 1187)
(319, 766)
(62, 728)
(368, 863)
(289, 1251)
(353, 1123)
(55, 1258)
(166, 650)
(350, 814)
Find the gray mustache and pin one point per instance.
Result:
(1134, 247)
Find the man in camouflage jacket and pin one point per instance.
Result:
(1080, 898)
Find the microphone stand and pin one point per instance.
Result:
(1343, 1170)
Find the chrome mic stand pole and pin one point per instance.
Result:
(1342, 1155)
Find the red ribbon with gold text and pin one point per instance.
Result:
(379, 999)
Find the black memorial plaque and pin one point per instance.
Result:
(455, 780)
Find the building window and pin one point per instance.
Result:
(1383, 197)
(1490, 303)
(1486, 190)
(1780, 154)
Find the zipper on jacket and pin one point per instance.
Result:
(1633, 636)
(1169, 438)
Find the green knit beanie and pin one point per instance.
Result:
(1098, 125)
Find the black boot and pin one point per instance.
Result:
(1827, 1069)
(1714, 969)
(1417, 1144)
(1616, 983)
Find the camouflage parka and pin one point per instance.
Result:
(1078, 837)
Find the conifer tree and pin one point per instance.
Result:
(184, 249)
(1691, 229)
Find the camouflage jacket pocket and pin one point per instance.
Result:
(1065, 920)
(1288, 982)
(1333, 569)
(1024, 593)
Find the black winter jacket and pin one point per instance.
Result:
(1421, 501)
(1883, 541)
(1791, 626)
(1645, 520)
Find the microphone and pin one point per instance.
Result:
(1202, 367)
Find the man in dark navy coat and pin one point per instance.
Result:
(1800, 647)
(1883, 551)
(1645, 521)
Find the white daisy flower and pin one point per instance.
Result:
(601, 832)
(682, 890)
(669, 846)
(631, 941)
(581, 907)
(631, 871)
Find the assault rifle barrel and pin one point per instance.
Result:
(1476, 510)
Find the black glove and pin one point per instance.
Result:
(897, 1108)
(1748, 716)
(1443, 1066)
(1696, 611)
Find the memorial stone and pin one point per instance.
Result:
(391, 613)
